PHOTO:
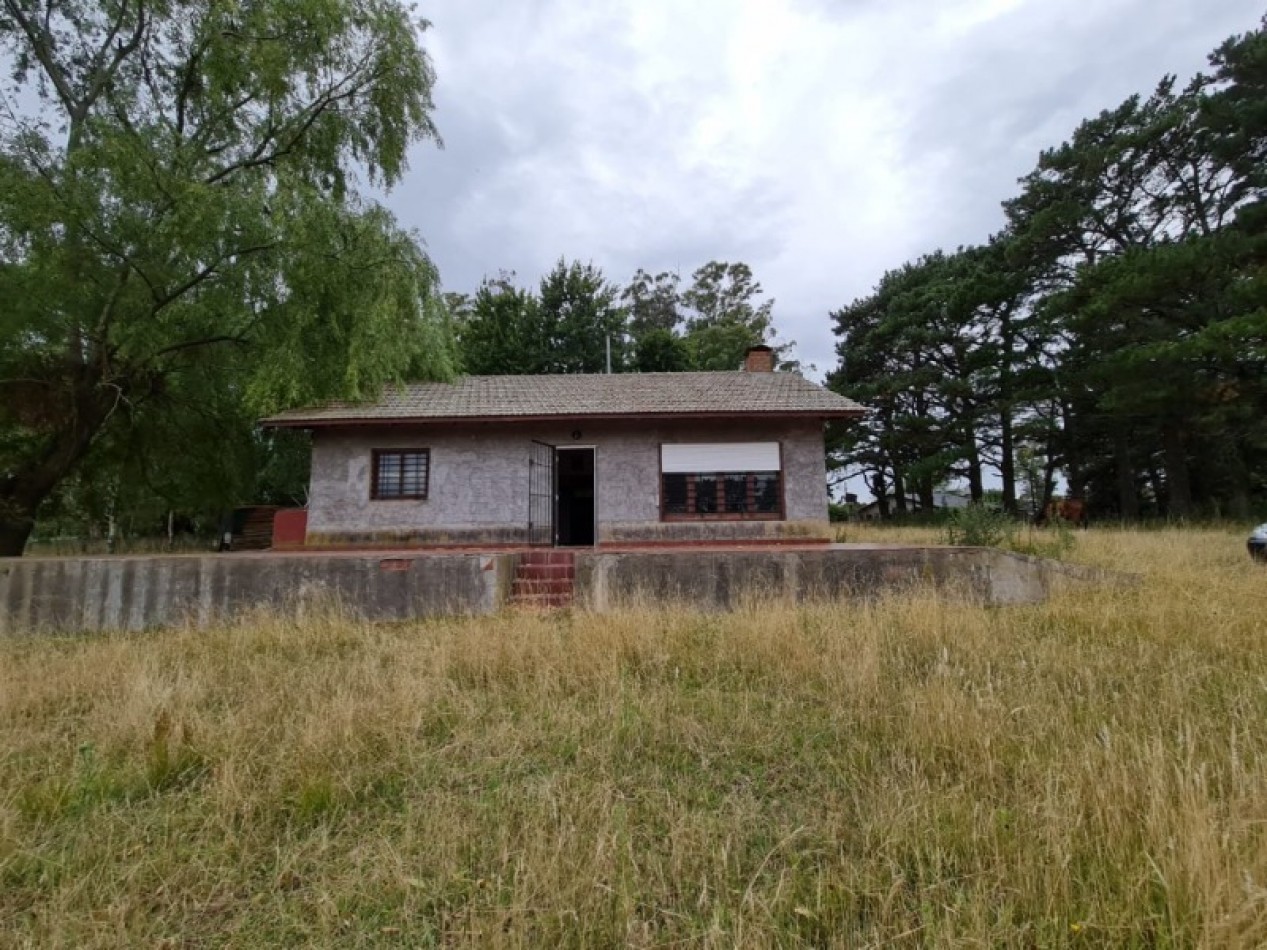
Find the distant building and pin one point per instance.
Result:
(942, 501)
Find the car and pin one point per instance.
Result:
(1258, 543)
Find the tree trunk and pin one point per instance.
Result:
(1127, 496)
(1049, 488)
(1007, 462)
(899, 492)
(976, 485)
(1236, 475)
(927, 498)
(14, 532)
(1072, 454)
(23, 491)
(881, 493)
(1178, 486)
(1007, 440)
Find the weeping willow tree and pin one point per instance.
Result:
(182, 241)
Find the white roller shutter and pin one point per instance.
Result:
(696, 457)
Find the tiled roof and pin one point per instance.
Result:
(621, 394)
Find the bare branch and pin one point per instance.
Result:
(103, 76)
(187, 80)
(41, 44)
(310, 114)
(195, 344)
(206, 273)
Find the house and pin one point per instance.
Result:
(574, 460)
(942, 501)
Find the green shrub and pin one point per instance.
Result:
(980, 526)
(985, 526)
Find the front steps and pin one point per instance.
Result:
(544, 579)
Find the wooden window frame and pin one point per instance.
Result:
(721, 514)
(377, 454)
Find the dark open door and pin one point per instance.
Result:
(574, 490)
(541, 494)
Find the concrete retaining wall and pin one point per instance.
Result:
(133, 593)
(724, 579)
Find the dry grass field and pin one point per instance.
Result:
(1090, 772)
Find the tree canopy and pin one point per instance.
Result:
(1115, 331)
(182, 240)
(652, 325)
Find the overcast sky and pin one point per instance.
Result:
(819, 141)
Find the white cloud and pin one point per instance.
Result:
(819, 141)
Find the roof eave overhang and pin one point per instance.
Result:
(361, 422)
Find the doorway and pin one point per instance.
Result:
(574, 478)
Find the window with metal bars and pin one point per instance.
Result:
(400, 474)
(721, 495)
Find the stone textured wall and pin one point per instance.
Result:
(478, 489)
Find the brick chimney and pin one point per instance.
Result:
(759, 359)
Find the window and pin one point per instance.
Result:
(736, 493)
(766, 496)
(677, 494)
(400, 473)
(721, 495)
(721, 481)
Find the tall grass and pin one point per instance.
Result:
(1085, 773)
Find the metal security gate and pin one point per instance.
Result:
(541, 494)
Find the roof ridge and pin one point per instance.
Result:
(606, 395)
(622, 375)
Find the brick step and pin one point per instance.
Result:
(541, 601)
(545, 571)
(530, 587)
(543, 580)
(547, 557)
